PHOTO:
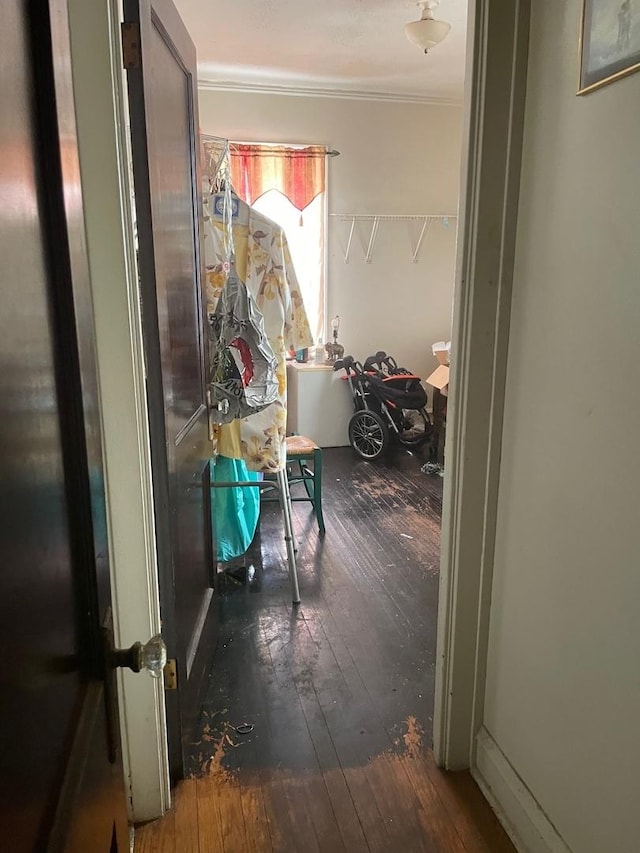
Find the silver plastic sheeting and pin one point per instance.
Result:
(243, 368)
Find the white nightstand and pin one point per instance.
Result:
(319, 404)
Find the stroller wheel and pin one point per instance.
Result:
(368, 434)
(416, 429)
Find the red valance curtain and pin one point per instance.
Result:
(298, 173)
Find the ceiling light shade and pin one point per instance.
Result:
(427, 32)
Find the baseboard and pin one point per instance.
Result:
(527, 825)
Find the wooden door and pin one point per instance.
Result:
(61, 780)
(161, 66)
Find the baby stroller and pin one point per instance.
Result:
(388, 401)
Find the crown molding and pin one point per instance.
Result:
(343, 94)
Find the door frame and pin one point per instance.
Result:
(497, 44)
(497, 54)
(103, 143)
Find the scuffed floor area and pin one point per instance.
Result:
(316, 730)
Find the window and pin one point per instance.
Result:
(287, 184)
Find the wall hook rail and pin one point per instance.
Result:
(426, 219)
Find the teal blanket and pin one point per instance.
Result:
(235, 510)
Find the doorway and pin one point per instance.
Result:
(290, 137)
(369, 587)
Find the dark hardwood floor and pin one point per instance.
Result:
(338, 691)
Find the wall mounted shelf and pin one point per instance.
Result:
(425, 219)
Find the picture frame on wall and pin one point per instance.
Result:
(609, 42)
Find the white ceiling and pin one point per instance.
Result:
(337, 46)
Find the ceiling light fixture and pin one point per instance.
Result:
(427, 32)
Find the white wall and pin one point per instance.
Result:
(395, 158)
(563, 690)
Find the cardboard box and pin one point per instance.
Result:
(440, 377)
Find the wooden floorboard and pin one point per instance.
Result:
(158, 837)
(185, 812)
(339, 690)
(208, 813)
(256, 818)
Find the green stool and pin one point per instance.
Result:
(300, 451)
